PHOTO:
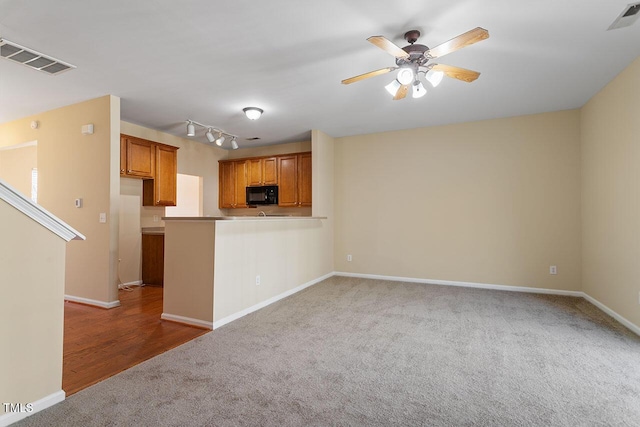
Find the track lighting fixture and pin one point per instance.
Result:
(209, 135)
(211, 130)
(220, 139)
(253, 113)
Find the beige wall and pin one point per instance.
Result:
(188, 270)
(284, 253)
(495, 202)
(610, 194)
(31, 308)
(269, 150)
(72, 165)
(16, 165)
(194, 158)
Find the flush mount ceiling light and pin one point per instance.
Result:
(253, 113)
(191, 131)
(31, 58)
(414, 59)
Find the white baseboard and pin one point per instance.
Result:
(94, 302)
(135, 283)
(631, 326)
(47, 401)
(186, 320)
(265, 303)
(465, 284)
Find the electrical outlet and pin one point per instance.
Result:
(349, 258)
(258, 280)
(156, 218)
(553, 269)
(103, 217)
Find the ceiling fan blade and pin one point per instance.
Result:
(367, 75)
(457, 72)
(386, 45)
(470, 37)
(402, 92)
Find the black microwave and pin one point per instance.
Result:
(265, 195)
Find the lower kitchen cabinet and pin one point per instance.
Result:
(153, 259)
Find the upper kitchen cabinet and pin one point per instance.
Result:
(156, 164)
(262, 171)
(161, 191)
(232, 176)
(137, 157)
(294, 180)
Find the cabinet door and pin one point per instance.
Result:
(227, 187)
(240, 174)
(254, 172)
(140, 158)
(288, 180)
(166, 179)
(270, 171)
(153, 259)
(304, 179)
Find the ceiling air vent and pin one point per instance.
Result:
(32, 59)
(628, 16)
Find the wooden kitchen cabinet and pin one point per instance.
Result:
(232, 176)
(162, 190)
(137, 157)
(294, 184)
(153, 259)
(153, 162)
(262, 171)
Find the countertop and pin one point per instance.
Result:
(152, 230)
(242, 218)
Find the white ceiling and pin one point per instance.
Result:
(170, 61)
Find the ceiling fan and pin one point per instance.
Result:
(413, 59)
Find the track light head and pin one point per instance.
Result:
(191, 129)
(234, 143)
(220, 139)
(209, 136)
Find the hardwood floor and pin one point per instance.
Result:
(99, 343)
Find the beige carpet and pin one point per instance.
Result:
(374, 353)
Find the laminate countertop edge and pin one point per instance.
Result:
(243, 218)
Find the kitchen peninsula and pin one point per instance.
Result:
(218, 269)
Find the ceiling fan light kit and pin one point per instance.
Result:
(413, 60)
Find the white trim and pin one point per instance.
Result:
(134, 283)
(94, 302)
(38, 213)
(464, 284)
(187, 320)
(633, 327)
(265, 303)
(33, 143)
(40, 404)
